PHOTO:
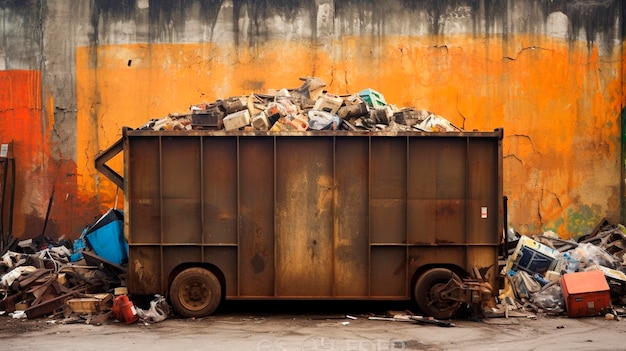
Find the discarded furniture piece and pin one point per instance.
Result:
(330, 214)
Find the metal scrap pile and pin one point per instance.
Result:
(307, 108)
(38, 278)
(74, 282)
(546, 274)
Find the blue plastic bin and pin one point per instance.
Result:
(106, 237)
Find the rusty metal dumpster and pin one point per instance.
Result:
(316, 215)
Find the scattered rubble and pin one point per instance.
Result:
(79, 282)
(307, 108)
(83, 281)
(548, 275)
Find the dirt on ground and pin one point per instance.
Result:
(345, 326)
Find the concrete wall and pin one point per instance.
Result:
(551, 72)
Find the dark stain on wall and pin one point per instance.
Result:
(22, 33)
(368, 13)
(259, 11)
(168, 17)
(595, 19)
(104, 12)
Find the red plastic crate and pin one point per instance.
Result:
(586, 293)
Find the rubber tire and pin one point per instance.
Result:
(195, 292)
(425, 290)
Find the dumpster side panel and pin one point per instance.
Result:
(483, 196)
(219, 190)
(142, 219)
(351, 240)
(421, 191)
(318, 216)
(144, 198)
(388, 216)
(144, 270)
(388, 190)
(450, 190)
(256, 208)
(180, 169)
(304, 216)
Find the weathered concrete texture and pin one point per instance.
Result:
(549, 71)
(192, 21)
(21, 28)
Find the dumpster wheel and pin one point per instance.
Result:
(427, 293)
(195, 292)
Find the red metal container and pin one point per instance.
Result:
(586, 293)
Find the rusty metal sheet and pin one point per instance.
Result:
(219, 190)
(180, 169)
(483, 197)
(224, 257)
(450, 164)
(421, 190)
(450, 221)
(389, 271)
(388, 178)
(143, 197)
(438, 173)
(256, 212)
(144, 270)
(304, 216)
(351, 249)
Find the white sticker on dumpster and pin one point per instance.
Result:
(483, 212)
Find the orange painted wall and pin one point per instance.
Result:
(21, 123)
(557, 102)
(45, 177)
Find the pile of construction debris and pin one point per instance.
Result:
(548, 275)
(75, 282)
(307, 108)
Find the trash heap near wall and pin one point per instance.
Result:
(307, 108)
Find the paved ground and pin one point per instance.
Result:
(274, 326)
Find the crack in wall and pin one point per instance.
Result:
(527, 137)
(521, 51)
(514, 156)
(460, 113)
(541, 200)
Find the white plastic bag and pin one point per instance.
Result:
(158, 312)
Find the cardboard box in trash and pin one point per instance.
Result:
(531, 256)
(586, 293)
